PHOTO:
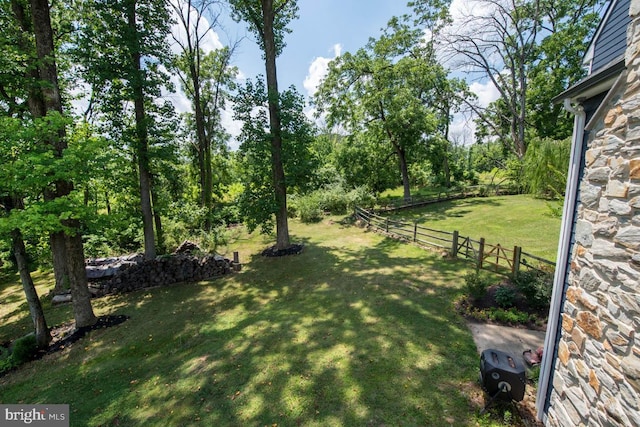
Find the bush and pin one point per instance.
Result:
(333, 199)
(477, 285)
(306, 207)
(536, 287)
(510, 316)
(24, 349)
(6, 362)
(506, 296)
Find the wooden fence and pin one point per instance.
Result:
(472, 191)
(486, 256)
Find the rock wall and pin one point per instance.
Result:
(597, 372)
(161, 271)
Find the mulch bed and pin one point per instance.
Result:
(295, 249)
(66, 334)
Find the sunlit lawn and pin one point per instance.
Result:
(357, 330)
(508, 220)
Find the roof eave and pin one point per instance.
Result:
(594, 84)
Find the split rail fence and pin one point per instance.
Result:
(485, 256)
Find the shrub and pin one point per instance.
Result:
(6, 362)
(476, 285)
(334, 199)
(24, 349)
(536, 287)
(506, 296)
(511, 316)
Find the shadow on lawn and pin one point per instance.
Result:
(335, 335)
(322, 341)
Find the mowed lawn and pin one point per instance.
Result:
(357, 330)
(510, 221)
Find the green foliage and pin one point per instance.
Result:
(251, 12)
(505, 296)
(333, 199)
(546, 166)
(536, 286)
(258, 202)
(477, 284)
(510, 316)
(395, 100)
(24, 349)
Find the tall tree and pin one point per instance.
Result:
(268, 20)
(45, 106)
(205, 78)
(390, 90)
(528, 49)
(258, 202)
(123, 48)
(9, 223)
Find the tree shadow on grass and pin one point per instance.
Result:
(334, 336)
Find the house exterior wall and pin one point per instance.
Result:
(611, 41)
(596, 379)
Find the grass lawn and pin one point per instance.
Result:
(508, 220)
(357, 330)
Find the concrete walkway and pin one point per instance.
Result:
(510, 340)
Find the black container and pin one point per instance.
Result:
(502, 375)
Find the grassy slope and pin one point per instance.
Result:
(508, 220)
(357, 330)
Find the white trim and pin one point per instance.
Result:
(564, 246)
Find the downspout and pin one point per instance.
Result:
(562, 261)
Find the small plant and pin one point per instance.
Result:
(534, 374)
(506, 296)
(477, 285)
(6, 362)
(510, 316)
(536, 287)
(24, 349)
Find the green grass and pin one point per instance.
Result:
(357, 330)
(508, 220)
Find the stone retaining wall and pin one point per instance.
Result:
(597, 372)
(162, 271)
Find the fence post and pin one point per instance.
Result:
(480, 254)
(386, 224)
(454, 244)
(415, 232)
(517, 254)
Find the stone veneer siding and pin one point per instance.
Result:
(597, 371)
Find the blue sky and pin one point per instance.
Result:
(324, 29)
(322, 25)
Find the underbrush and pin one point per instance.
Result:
(523, 301)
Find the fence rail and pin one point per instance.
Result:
(486, 256)
(472, 191)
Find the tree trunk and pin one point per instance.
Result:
(43, 337)
(142, 143)
(278, 177)
(59, 258)
(157, 220)
(404, 171)
(50, 95)
(81, 298)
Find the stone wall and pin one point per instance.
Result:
(597, 371)
(162, 271)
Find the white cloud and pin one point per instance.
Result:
(210, 41)
(318, 70)
(486, 92)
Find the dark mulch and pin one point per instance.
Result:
(294, 249)
(66, 334)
